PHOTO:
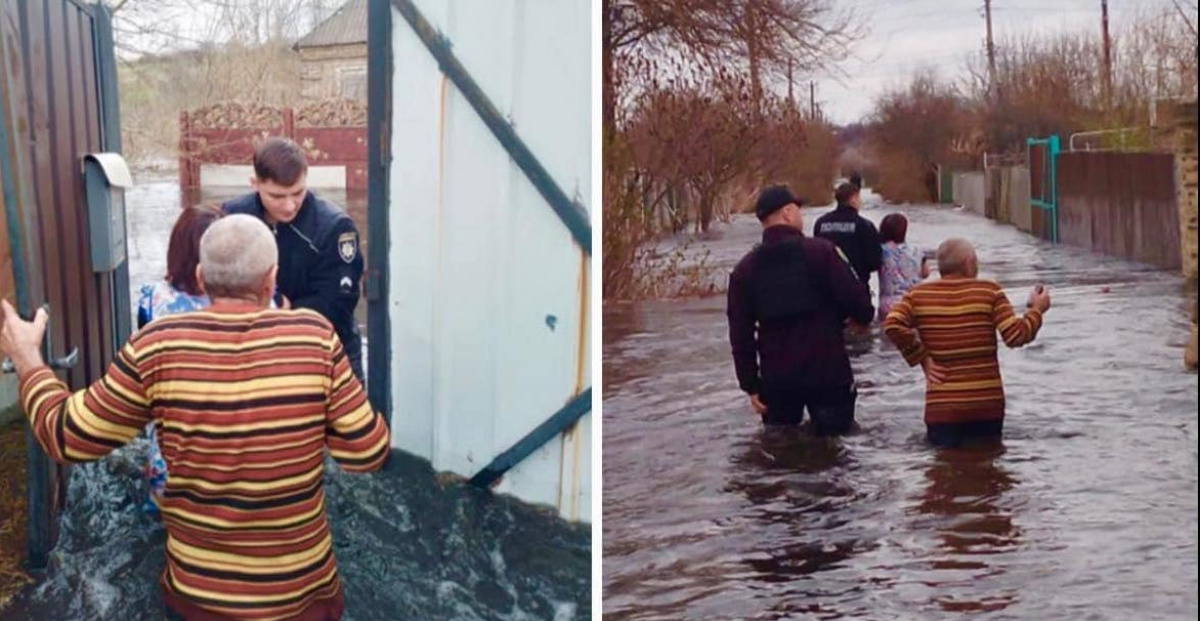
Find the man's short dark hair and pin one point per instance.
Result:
(279, 160)
(844, 192)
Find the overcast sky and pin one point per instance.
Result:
(902, 36)
(905, 35)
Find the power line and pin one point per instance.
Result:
(1107, 55)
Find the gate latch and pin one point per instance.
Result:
(66, 362)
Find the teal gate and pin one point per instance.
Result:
(1043, 185)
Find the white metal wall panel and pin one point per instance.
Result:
(488, 290)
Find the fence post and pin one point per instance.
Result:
(1185, 184)
(1185, 188)
(1055, 147)
(186, 179)
(289, 123)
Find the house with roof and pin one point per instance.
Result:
(333, 56)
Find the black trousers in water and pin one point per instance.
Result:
(831, 410)
(952, 435)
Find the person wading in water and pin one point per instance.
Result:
(788, 300)
(949, 326)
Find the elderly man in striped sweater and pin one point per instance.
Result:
(246, 399)
(949, 326)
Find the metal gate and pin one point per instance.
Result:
(945, 185)
(1043, 185)
(434, 106)
(58, 102)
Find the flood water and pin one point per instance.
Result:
(410, 544)
(154, 202)
(1088, 511)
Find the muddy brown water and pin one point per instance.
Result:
(1088, 511)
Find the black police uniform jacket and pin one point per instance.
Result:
(787, 304)
(856, 236)
(320, 263)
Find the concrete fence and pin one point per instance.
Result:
(1007, 196)
(969, 191)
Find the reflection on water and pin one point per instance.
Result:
(1089, 510)
(963, 503)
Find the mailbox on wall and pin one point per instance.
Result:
(106, 177)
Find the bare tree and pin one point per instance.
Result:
(177, 55)
(761, 36)
(1187, 16)
(915, 128)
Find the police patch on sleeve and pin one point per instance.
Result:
(348, 246)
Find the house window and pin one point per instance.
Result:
(352, 83)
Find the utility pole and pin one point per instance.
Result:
(812, 98)
(991, 49)
(791, 85)
(1107, 55)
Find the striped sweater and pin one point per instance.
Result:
(955, 321)
(245, 402)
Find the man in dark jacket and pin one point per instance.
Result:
(320, 262)
(788, 300)
(855, 235)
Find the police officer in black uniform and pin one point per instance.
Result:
(787, 302)
(855, 235)
(320, 262)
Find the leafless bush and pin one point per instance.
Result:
(915, 128)
(1042, 85)
(177, 55)
(691, 131)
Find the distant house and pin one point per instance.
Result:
(333, 57)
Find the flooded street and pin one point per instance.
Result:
(1089, 511)
(410, 544)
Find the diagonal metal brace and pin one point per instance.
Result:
(559, 422)
(572, 214)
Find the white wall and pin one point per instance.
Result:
(488, 291)
(238, 176)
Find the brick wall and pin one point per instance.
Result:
(1185, 171)
(1186, 177)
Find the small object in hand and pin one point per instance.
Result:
(1036, 291)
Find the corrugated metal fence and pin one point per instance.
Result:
(58, 103)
